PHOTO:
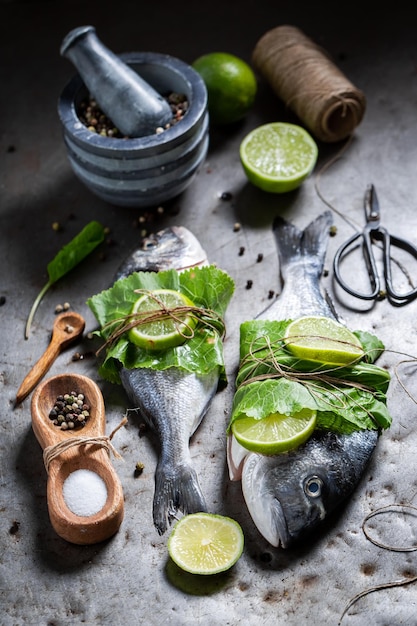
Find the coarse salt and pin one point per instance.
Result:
(85, 492)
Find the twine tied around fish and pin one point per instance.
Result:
(304, 77)
(272, 365)
(177, 314)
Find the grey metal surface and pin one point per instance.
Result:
(129, 580)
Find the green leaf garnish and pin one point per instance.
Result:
(66, 259)
(270, 379)
(208, 287)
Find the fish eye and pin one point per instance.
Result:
(313, 486)
(148, 244)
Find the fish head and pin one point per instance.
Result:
(171, 248)
(285, 501)
(288, 495)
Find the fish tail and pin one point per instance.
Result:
(294, 244)
(176, 489)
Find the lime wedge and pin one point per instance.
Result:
(276, 433)
(322, 339)
(163, 320)
(278, 157)
(204, 543)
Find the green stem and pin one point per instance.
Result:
(34, 308)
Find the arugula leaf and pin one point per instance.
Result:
(208, 287)
(271, 380)
(66, 259)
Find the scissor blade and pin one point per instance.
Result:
(372, 211)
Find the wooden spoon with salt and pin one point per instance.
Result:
(90, 451)
(68, 327)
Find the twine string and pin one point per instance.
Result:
(103, 441)
(177, 314)
(392, 508)
(304, 77)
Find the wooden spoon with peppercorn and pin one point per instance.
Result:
(80, 447)
(68, 327)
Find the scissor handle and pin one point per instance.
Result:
(370, 262)
(387, 241)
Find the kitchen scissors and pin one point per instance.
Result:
(373, 231)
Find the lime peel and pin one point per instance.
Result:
(278, 157)
(205, 543)
(231, 86)
(275, 433)
(162, 320)
(321, 339)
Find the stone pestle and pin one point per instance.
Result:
(133, 105)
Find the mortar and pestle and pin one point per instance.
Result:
(145, 167)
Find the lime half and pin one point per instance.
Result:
(163, 320)
(322, 339)
(278, 157)
(204, 543)
(276, 433)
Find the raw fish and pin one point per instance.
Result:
(172, 402)
(289, 494)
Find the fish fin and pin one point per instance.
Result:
(269, 519)
(236, 455)
(176, 490)
(312, 241)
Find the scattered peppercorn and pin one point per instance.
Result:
(226, 196)
(62, 307)
(139, 467)
(241, 250)
(271, 294)
(249, 284)
(259, 257)
(80, 356)
(70, 411)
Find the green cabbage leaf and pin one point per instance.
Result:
(271, 380)
(208, 287)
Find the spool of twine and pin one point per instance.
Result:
(302, 75)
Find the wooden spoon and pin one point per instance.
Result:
(91, 456)
(68, 326)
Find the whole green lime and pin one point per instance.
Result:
(231, 86)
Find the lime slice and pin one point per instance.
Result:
(278, 157)
(164, 330)
(204, 543)
(322, 339)
(276, 433)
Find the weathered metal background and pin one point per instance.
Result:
(129, 580)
